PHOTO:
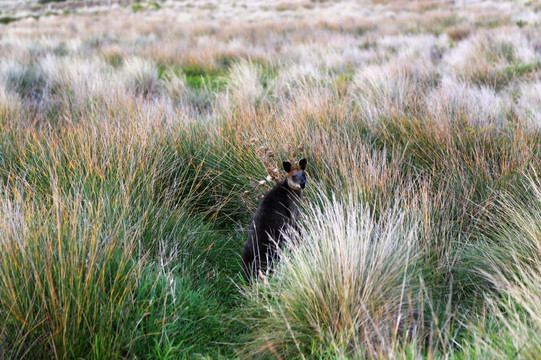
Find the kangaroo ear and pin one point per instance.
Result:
(287, 166)
(302, 163)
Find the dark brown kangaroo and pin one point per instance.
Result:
(277, 210)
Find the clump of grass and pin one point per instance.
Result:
(292, 81)
(511, 263)
(494, 58)
(387, 90)
(347, 287)
(459, 32)
(26, 79)
(141, 76)
(244, 83)
(175, 84)
(113, 57)
(86, 294)
(11, 106)
(529, 109)
(480, 107)
(101, 278)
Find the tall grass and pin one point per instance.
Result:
(348, 287)
(510, 262)
(100, 265)
(135, 146)
(105, 251)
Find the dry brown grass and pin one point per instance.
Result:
(459, 32)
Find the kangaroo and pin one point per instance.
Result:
(278, 209)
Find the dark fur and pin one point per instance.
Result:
(278, 209)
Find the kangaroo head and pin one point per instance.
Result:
(296, 177)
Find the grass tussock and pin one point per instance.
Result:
(511, 264)
(348, 288)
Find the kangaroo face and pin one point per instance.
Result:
(296, 177)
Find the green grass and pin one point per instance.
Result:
(116, 268)
(7, 19)
(197, 77)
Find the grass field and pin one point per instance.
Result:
(136, 139)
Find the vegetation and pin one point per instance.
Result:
(135, 146)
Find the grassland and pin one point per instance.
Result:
(136, 140)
